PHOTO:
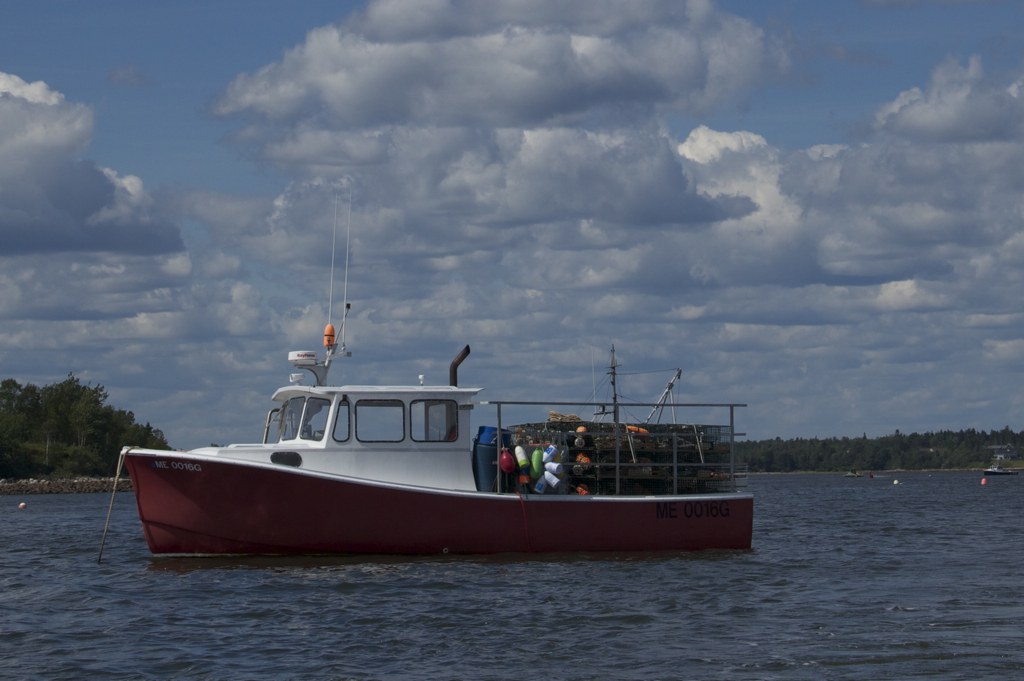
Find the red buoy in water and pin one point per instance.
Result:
(984, 481)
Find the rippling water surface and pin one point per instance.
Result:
(848, 579)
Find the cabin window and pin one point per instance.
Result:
(314, 420)
(341, 426)
(435, 420)
(290, 418)
(380, 421)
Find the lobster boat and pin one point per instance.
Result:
(997, 469)
(399, 470)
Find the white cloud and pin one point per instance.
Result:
(1004, 350)
(507, 64)
(907, 295)
(36, 93)
(241, 315)
(130, 201)
(960, 104)
(178, 265)
(705, 145)
(50, 199)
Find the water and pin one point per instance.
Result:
(848, 579)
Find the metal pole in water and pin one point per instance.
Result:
(117, 475)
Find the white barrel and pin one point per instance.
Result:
(555, 468)
(550, 453)
(542, 486)
(551, 479)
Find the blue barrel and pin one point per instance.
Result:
(485, 457)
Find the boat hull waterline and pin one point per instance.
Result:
(201, 505)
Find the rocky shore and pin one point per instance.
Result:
(77, 486)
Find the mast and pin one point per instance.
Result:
(615, 419)
(615, 390)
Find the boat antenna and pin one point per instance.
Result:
(329, 339)
(334, 249)
(308, 360)
(348, 239)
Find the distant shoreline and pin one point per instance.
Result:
(79, 486)
(99, 485)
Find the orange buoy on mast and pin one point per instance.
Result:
(329, 335)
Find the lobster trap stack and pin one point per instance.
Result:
(646, 460)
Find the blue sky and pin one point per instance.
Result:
(813, 208)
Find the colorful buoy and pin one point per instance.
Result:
(895, 482)
(505, 462)
(537, 463)
(984, 481)
(22, 505)
(521, 458)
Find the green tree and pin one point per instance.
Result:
(65, 429)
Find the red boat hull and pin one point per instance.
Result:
(201, 506)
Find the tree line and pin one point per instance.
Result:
(65, 430)
(916, 451)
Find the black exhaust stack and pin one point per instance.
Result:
(453, 372)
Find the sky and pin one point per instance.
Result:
(814, 209)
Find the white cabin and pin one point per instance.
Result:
(410, 435)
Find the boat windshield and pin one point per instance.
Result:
(314, 420)
(290, 416)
